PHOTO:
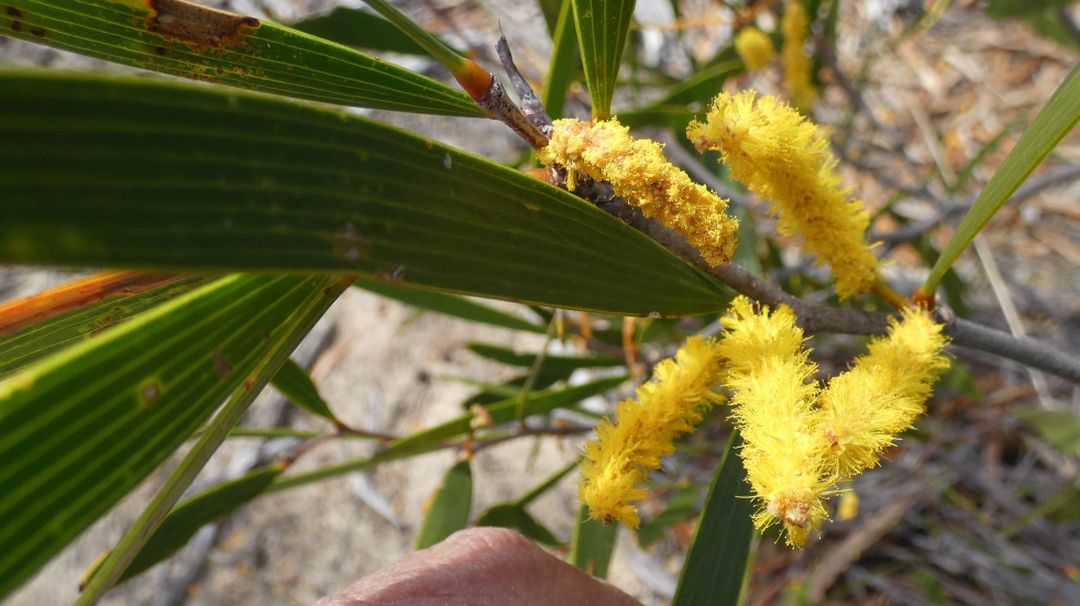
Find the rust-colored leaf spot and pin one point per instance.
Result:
(198, 25)
(221, 365)
(248, 384)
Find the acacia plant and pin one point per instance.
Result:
(238, 212)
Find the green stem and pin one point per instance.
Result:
(435, 47)
(534, 370)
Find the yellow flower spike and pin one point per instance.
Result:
(779, 155)
(770, 376)
(794, 25)
(883, 393)
(639, 173)
(621, 455)
(754, 48)
(848, 509)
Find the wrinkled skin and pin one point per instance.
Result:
(480, 566)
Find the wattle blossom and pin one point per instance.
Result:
(780, 156)
(773, 393)
(754, 48)
(794, 25)
(640, 174)
(625, 450)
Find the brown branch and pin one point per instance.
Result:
(951, 208)
(814, 318)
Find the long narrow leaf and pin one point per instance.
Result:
(290, 332)
(450, 507)
(296, 385)
(1053, 122)
(196, 512)
(592, 544)
(83, 427)
(716, 565)
(602, 27)
(94, 174)
(185, 39)
(360, 29)
(451, 305)
(562, 365)
(48, 336)
(563, 63)
(538, 403)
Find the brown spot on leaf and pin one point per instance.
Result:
(37, 32)
(350, 245)
(16, 26)
(198, 25)
(159, 50)
(221, 365)
(14, 12)
(248, 383)
(149, 392)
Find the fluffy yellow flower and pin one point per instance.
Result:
(795, 25)
(754, 48)
(773, 395)
(639, 173)
(779, 155)
(623, 452)
(883, 392)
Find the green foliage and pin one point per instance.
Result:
(83, 427)
(592, 544)
(54, 334)
(450, 506)
(1059, 427)
(359, 29)
(185, 39)
(451, 305)
(602, 27)
(563, 66)
(290, 188)
(296, 385)
(1053, 122)
(192, 514)
(714, 568)
(200, 182)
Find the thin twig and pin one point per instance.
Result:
(951, 208)
(815, 318)
(1008, 309)
(502, 108)
(1036, 354)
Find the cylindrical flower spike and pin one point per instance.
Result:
(639, 173)
(754, 48)
(882, 393)
(773, 394)
(794, 25)
(779, 155)
(623, 452)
